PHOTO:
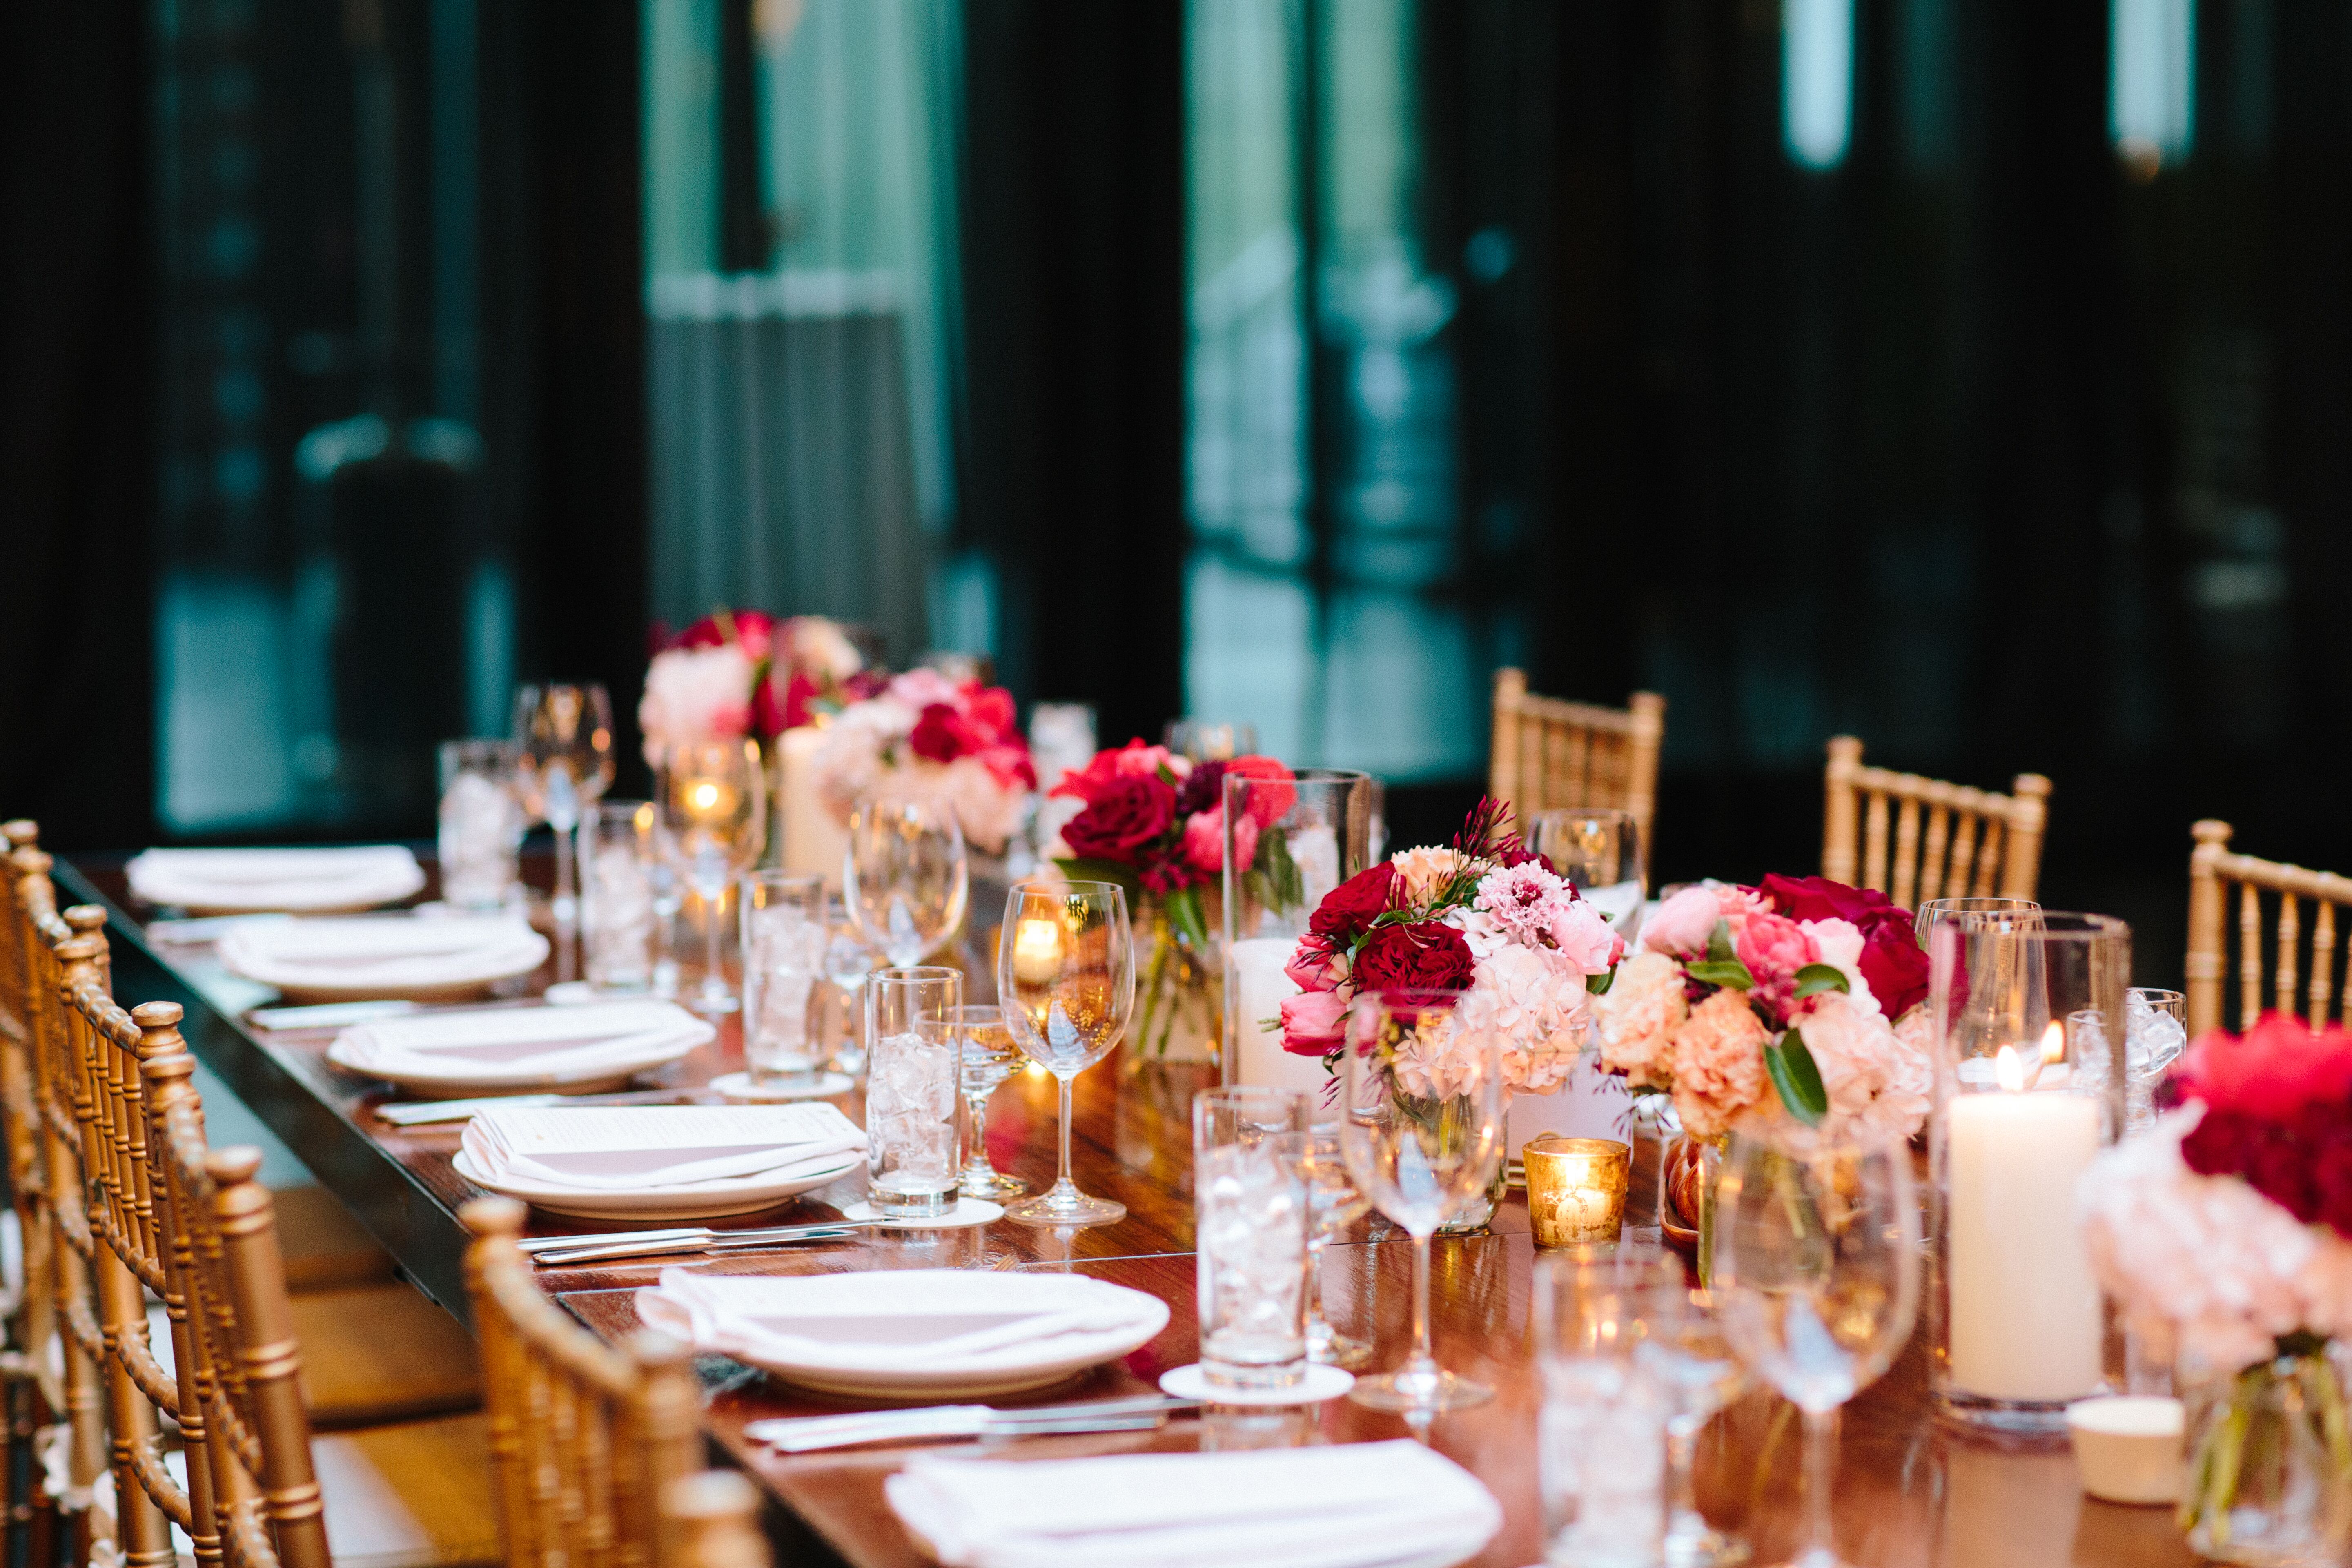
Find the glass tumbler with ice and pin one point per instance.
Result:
(784, 937)
(1251, 1218)
(481, 823)
(616, 895)
(912, 1163)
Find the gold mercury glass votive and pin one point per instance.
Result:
(1576, 1188)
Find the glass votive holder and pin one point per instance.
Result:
(481, 824)
(912, 1163)
(782, 916)
(1576, 1188)
(1250, 1212)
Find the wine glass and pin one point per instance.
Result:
(1682, 1346)
(904, 877)
(714, 804)
(563, 761)
(1816, 1279)
(1600, 852)
(1066, 981)
(1334, 1203)
(989, 1059)
(1419, 1154)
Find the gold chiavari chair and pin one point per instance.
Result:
(35, 1400)
(714, 1517)
(415, 1495)
(1950, 841)
(587, 1438)
(2303, 978)
(1548, 753)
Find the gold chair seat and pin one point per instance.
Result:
(381, 1354)
(325, 1248)
(416, 1495)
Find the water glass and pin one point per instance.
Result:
(617, 863)
(481, 823)
(1334, 1203)
(905, 876)
(1600, 852)
(714, 823)
(783, 945)
(849, 959)
(1251, 1218)
(989, 1056)
(911, 1159)
(1682, 1346)
(1601, 1433)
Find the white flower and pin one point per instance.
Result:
(1636, 1018)
(820, 647)
(1874, 1087)
(1840, 945)
(695, 694)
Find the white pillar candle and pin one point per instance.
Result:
(813, 842)
(1255, 966)
(2025, 1322)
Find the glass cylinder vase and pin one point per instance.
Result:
(1287, 843)
(2028, 1089)
(2269, 1474)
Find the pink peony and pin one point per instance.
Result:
(1774, 948)
(1314, 1022)
(1204, 840)
(1719, 1063)
(1637, 1017)
(1682, 923)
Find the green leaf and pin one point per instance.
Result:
(1185, 919)
(1719, 949)
(1815, 978)
(1079, 869)
(1598, 985)
(1797, 1078)
(1723, 972)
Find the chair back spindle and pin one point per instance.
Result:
(2301, 979)
(1948, 841)
(1548, 753)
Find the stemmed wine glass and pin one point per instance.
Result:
(1816, 1279)
(714, 804)
(904, 877)
(1066, 981)
(1600, 852)
(989, 1057)
(563, 762)
(1682, 1346)
(1419, 1154)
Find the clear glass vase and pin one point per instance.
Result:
(1180, 1007)
(2269, 1480)
(1479, 1212)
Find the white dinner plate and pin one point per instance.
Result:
(271, 955)
(694, 1200)
(1015, 1369)
(410, 1069)
(251, 881)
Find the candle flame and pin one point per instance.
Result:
(1039, 940)
(704, 796)
(2008, 1070)
(2054, 1044)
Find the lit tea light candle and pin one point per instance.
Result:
(1037, 951)
(2025, 1323)
(1576, 1188)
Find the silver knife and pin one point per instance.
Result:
(806, 1434)
(709, 1241)
(424, 1112)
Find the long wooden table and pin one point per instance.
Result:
(1909, 1492)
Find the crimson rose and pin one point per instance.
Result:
(1426, 956)
(1346, 909)
(1124, 815)
(1892, 964)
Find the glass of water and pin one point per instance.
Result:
(911, 1159)
(1334, 1203)
(1601, 1435)
(783, 940)
(1251, 1218)
(616, 894)
(989, 1056)
(481, 823)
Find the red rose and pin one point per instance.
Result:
(1818, 899)
(1272, 793)
(1424, 956)
(2278, 1068)
(1346, 909)
(1127, 815)
(989, 712)
(943, 734)
(1893, 963)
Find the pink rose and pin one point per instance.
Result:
(1204, 840)
(1314, 965)
(1585, 939)
(1313, 1023)
(1684, 922)
(1774, 948)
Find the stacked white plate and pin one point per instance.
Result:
(245, 881)
(500, 1050)
(658, 1161)
(911, 1333)
(384, 956)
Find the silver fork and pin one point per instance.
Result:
(662, 1246)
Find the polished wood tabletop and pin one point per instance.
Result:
(1909, 1490)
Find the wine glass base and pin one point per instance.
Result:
(1052, 1209)
(991, 1185)
(1423, 1390)
(1692, 1543)
(714, 1007)
(1329, 1347)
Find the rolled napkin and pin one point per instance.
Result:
(886, 1318)
(1355, 1505)
(622, 1148)
(394, 952)
(290, 879)
(510, 1042)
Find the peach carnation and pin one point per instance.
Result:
(1637, 1017)
(1719, 1063)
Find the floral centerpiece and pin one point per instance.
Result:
(1153, 822)
(953, 745)
(1792, 1009)
(744, 673)
(1482, 914)
(2225, 1231)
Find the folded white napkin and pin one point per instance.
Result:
(506, 1042)
(1356, 1505)
(624, 1148)
(885, 1317)
(395, 951)
(276, 878)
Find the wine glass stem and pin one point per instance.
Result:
(566, 910)
(975, 1158)
(713, 983)
(1314, 1280)
(1820, 1463)
(1063, 1182)
(1681, 1447)
(1422, 1357)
